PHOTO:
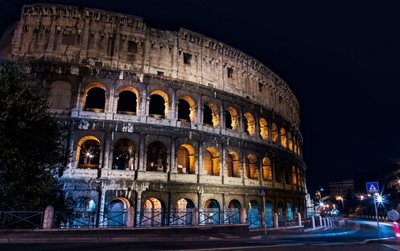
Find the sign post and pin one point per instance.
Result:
(373, 188)
(263, 193)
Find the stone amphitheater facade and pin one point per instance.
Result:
(162, 120)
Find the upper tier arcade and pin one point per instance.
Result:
(95, 38)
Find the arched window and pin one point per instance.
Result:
(95, 99)
(183, 110)
(263, 129)
(267, 168)
(249, 124)
(294, 176)
(283, 137)
(158, 104)
(233, 164)
(186, 159)
(123, 155)
(60, 95)
(156, 157)
(290, 141)
(210, 115)
(231, 118)
(274, 133)
(127, 102)
(252, 169)
(88, 151)
(211, 161)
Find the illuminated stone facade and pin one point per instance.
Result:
(162, 119)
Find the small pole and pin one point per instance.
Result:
(376, 212)
(265, 216)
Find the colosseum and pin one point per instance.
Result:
(172, 127)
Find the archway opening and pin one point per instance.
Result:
(156, 157)
(183, 110)
(283, 137)
(233, 164)
(253, 215)
(123, 155)
(186, 159)
(249, 124)
(95, 100)
(252, 169)
(116, 216)
(231, 118)
(211, 212)
(274, 133)
(269, 214)
(88, 151)
(267, 169)
(152, 214)
(157, 106)
(232, 213)
(211, 161)
(263, 129)
(210, 115)
(127, 101)
(184, 212)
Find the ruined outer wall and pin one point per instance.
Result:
(97, 38)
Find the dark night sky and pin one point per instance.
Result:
(340, 60)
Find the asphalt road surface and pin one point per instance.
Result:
(365, 237)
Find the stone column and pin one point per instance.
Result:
(48, 217)
(243, 215)
(298, 219)
(130, 219)
(138, 207)
(195, 217)
(276, 220)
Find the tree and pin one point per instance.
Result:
(31, 145)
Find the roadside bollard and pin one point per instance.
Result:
(320, 220)
(299, 219)
(276, 224)
(313, 222)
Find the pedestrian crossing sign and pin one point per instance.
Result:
(372, 187)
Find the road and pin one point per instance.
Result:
(363, 238)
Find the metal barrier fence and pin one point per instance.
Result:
(119, 219)
(21, 219)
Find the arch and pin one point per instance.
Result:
(158, 104)
(183, 212)
(253, 215)
(233, 164)
(187, 109)
(252, 169)
(156, 157)
(289, 211)
(210, 114)
(123, 155)
(280, 212)
(60, 95)
(264, 133)
(294, 176)
(269, 214)
(283, 137)
(266, 168)
(274, 133)
(85, 204)
(290, 141)
(86, 213)
(249, 124)
(211, 212)
(152, 213)
(232, 213)
(231, 118)
(211, 161)
(186, 159)
(116, 215)
(88, 152)
(127, 100)
(94, 97)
